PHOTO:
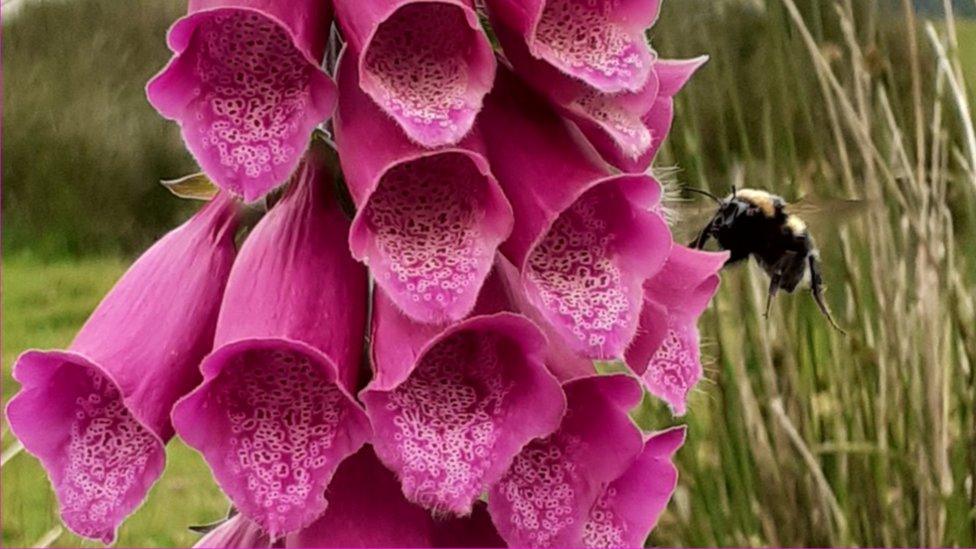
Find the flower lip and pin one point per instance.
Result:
(628, 19)
(451, 408)
(429, 239)
(196, 418)
(631, 256)
(439, 108)
(547, 493)
(46, 374)
(245, 146)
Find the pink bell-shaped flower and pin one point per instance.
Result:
(97, 414)
(246, 87)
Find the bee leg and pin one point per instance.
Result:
(816, 288)
(706, 233)
(773, 288)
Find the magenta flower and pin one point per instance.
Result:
(665, 352)
(629, 129)
(562, 361)
(600, 42)
(274, 416)
(97, 414)
(238, 532)
(427, 64)
(246, 87)
(546, 497)
(369, 510)
(451, 407)
(428, 222)
(584, 240)
(626, 128)
(628, 508)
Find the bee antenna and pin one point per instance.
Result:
(705, 193)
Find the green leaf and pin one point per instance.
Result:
(194, 187)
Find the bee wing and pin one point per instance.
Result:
(687, 218)
(827, 213)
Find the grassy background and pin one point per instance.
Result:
(797, 436)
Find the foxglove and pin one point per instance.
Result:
(665, 352)
(428, 222)
(584, 239)
(246, 88)
(546, 497)
(627, 128)
(600, 42)
(97, 414)
(450, 407)
(426, 64)
(368, 510)
(274, 416)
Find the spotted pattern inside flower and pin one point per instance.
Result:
(107, 453)
(602, 529)
(446, 416)
(673, 369)
(582, 37)
(255, 88)
(283, 416)
(575, 272)
(626, 129)
(417, 62)
(540, 487)
(425, 217)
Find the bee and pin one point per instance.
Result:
(756, 223)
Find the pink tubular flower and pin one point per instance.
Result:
(246, 87)
(451, 407)
(626, 128)
(600, 42)
(546, 497)
(369, 510)
(274, 417)
(584, 240)
(429, 222)
(237, 533)
(628, 508)
(665, 352)
(97, 414)
(426, 63)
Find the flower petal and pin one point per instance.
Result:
(367, 509)
(451, 410)
(428, 222)
(247, 126)
(274, 417)
(599, 42)
(629, 507)
(665, 352)
(426, 64)
(546, 495)
(584, 240)
(97, 415)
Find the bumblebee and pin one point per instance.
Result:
(752, 222)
